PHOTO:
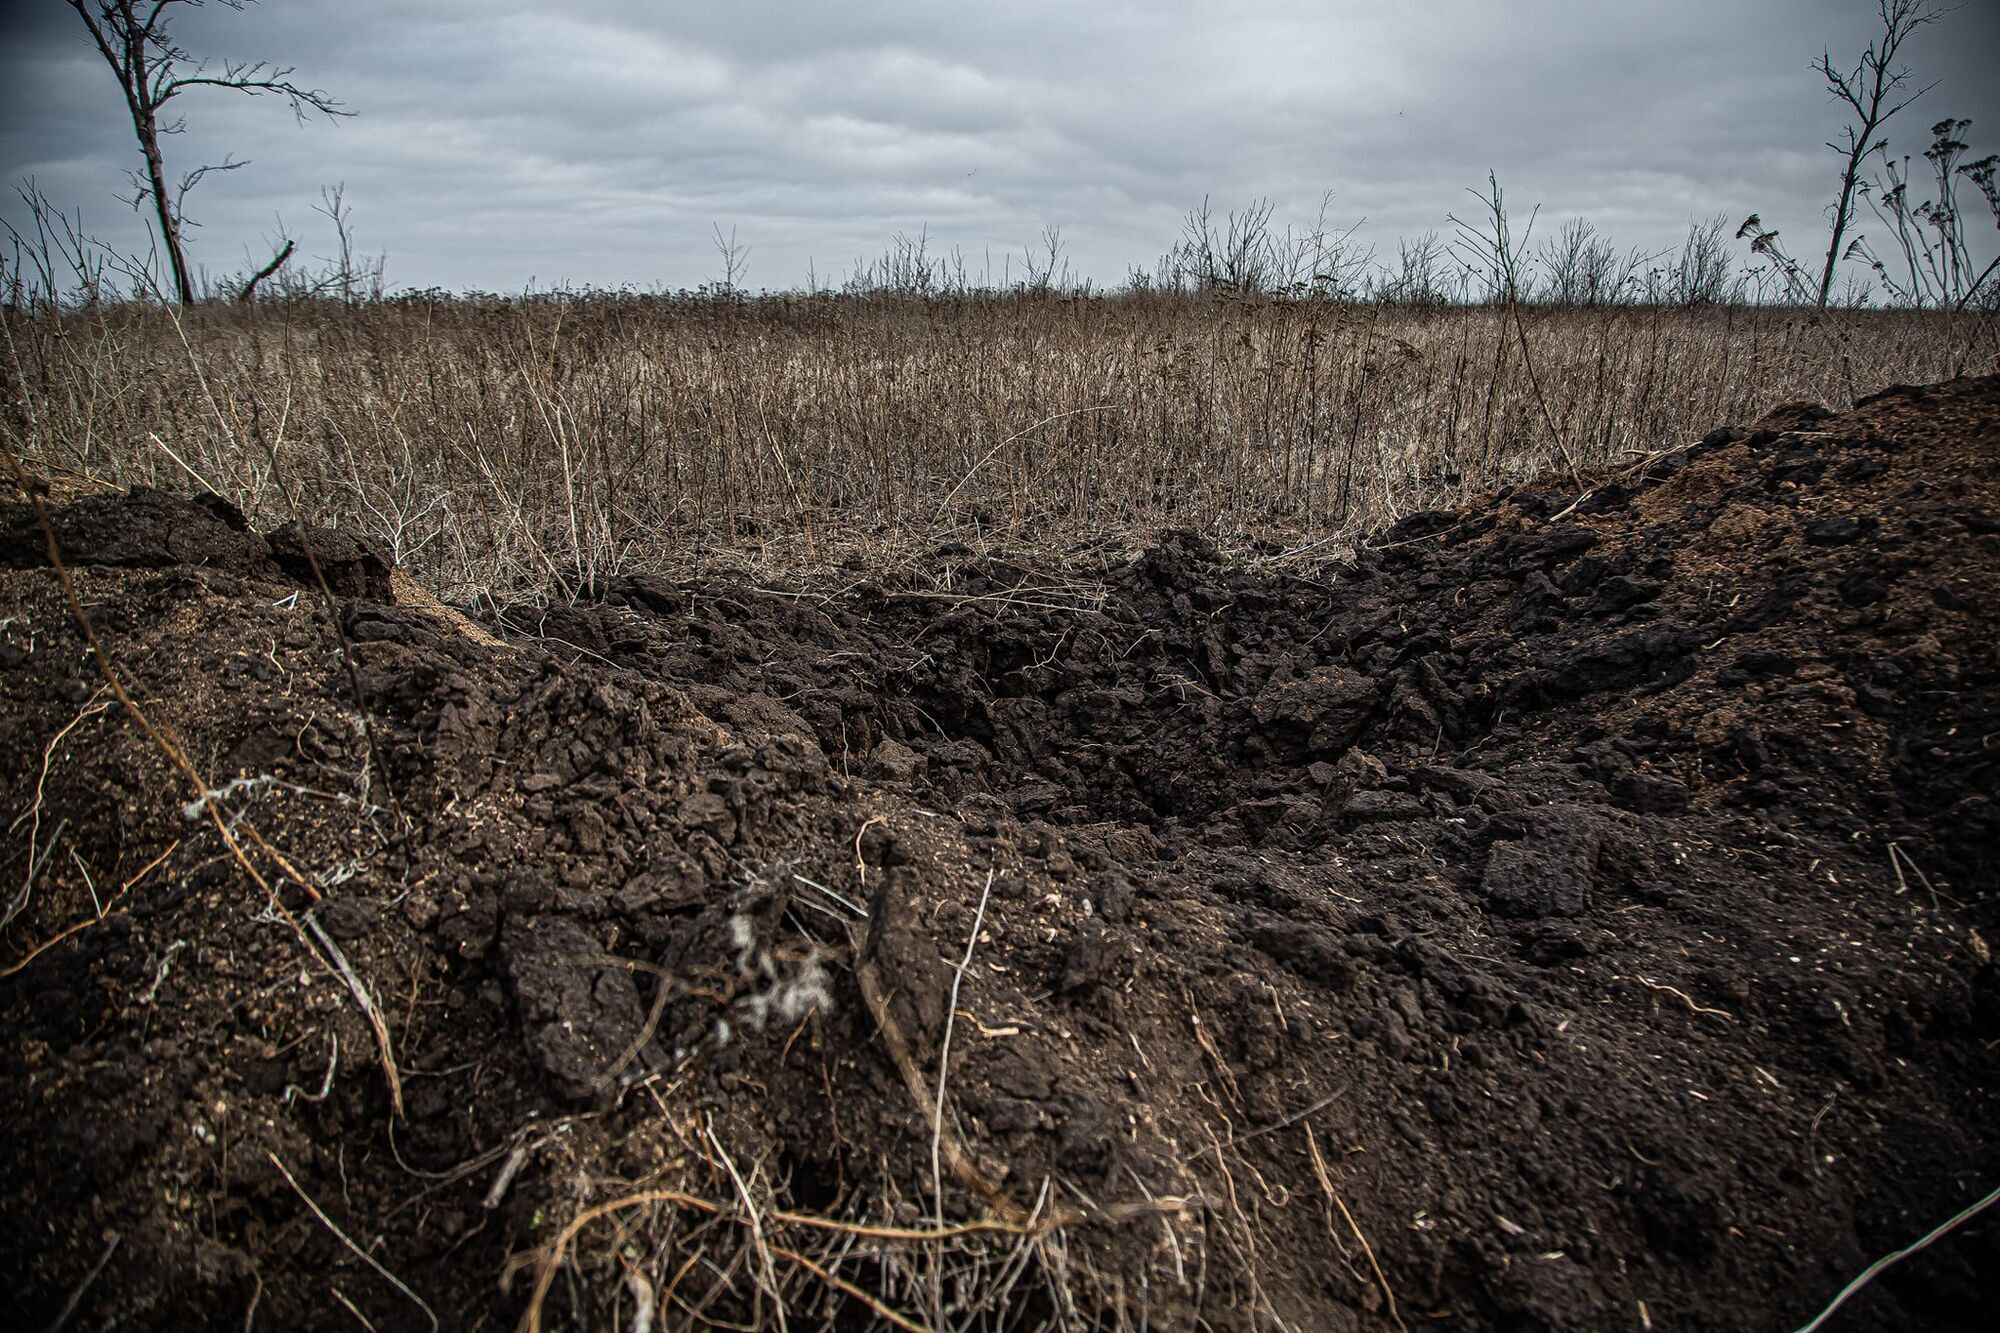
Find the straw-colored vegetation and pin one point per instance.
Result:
(547, 441)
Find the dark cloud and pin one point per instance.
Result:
(600, 141)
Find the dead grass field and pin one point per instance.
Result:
(543, 443)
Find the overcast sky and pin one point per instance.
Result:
(598, 141)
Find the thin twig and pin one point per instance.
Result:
(1685, 998)
(937, 1109)
(860, 864)
(1286, 1123)
(1868, 1274)
(76, 1295)
(944, 1052)
(360, 1318)
(1326, 1183)
(876, 998)
(842, 1284)
(105, 915)
(367, 1003)
(844, 901)
(360, 1253)
(36, 864)
(756, 1224)
(88, 711)
(643, 1300)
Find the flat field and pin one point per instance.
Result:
(543, 444)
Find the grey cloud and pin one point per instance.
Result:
(599, 141)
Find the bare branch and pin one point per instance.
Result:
(152, 69)
(249, 292)
(255, 81)
(195, 177)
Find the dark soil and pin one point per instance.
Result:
(1573, 913)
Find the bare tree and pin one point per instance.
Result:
(1699, 273)
(1571, 262)
(1487, 249)
(1873, 91)
(137, 42)
(735, 262)
(1420, 277)
(1046, 267)
(1242, 255)
(1581, 267)
(355, 277)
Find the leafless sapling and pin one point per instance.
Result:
(1875, 89)
(137, 41)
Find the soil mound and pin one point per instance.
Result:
(1572, 912)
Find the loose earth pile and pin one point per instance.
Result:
(1575, 912)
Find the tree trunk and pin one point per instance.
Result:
(156, 176)
(145, 123)
(1843, 212)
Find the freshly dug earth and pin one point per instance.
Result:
(1575, 912)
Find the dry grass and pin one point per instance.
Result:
(539, 444)
(712, 1243)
